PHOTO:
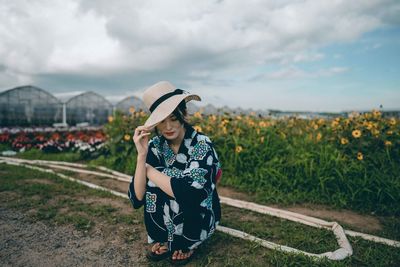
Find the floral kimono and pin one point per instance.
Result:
(185, 221)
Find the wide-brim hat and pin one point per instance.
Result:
(162, 99)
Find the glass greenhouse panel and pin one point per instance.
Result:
(88, 107)
(130, 102)
(29, 106)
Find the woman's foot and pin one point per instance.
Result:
(159, 248)
(179, 257)
(158, 252)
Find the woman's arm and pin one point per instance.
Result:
(162, 180)
(140, 138)
(140, 177)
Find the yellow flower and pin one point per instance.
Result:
(376, 113)
(238, 131)
(224, 122)
(262, 139)
(197, 115)
(360, 156)
(197, 128)
(319, 136)
(389, 132)
(110, 119)
(263, 124)
(315, 127)
(344, 141)
(370, 126)
(239, 117)
(388, 143)
(238, 149)
(132, 110)
(258, 131)
(127, 137)
(392, 121)
(334, 123)
(213, 118)
(356, 133)
(321, 121)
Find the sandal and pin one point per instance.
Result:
(182, 261)
(155, 256)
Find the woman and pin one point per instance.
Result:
(175, 177)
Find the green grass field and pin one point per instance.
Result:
(47, 198)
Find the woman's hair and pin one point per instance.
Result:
(180, 113)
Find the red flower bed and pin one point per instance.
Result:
(54, 141)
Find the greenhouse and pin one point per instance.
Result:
(88, 107)
(27, 106)
(131, 103)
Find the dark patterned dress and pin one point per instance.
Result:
(185, 221)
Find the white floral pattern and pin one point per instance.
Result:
(181, 158)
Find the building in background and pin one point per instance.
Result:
(88, 107)
(33, 106)
(126, 104)
(29, 106)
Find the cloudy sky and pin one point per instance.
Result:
(290, 54)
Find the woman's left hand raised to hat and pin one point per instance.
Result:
(141, 139)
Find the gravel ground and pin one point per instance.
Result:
(27, 243)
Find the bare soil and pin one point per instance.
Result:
(357, 221)
(116, 185)
(33, 243)
(361, 222)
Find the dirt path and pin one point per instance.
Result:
(27, 243)
(357, 221)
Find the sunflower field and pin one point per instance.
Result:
(349, 162)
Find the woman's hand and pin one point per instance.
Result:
(141, 139)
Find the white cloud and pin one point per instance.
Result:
(293, 72)
(131, 44)
(53, 36)
(86, 35)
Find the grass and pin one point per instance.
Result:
(53, 199)
(280, 231)
(45, 197)
(313, 174)
(286, 173)
(39, 155)
(391, 224)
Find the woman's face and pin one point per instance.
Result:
(170, 127)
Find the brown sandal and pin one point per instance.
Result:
(157, 257)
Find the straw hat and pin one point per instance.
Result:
(162, 98)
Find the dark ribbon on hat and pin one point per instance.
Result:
(163, 98)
